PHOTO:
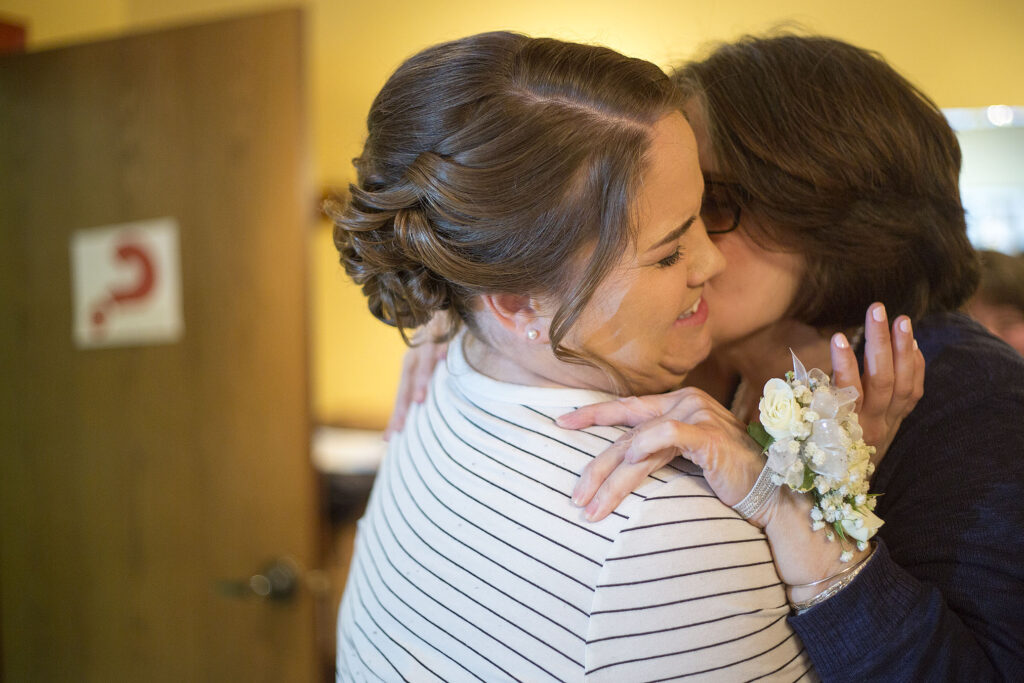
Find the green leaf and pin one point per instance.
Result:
(757, 433)
(808, 482)
(838, 526)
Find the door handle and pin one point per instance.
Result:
(278, 581)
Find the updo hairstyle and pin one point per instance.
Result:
(499, 163)
(837, 157)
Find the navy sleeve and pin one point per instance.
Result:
(943, 597)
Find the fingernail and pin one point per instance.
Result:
(565, 420)
(591, 510)
(878, 313)
(839, 339)
(577, 497)
(905, 326)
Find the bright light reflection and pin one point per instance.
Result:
(1000, 115)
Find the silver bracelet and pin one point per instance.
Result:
(845, 570)
(850, 574)
(759, 495)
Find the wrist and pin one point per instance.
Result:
(803, 555)
(760, 495)
(805, 596)
(786, 508)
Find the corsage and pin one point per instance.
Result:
(815, 444)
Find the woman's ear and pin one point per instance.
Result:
(519, 315)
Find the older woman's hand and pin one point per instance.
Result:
(691, 423)
(417, 369)
(686, 422)
(893, 378)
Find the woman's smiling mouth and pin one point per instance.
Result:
(694, 315)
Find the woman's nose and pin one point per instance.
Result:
(708, 261)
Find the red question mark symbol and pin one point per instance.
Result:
(145, 278)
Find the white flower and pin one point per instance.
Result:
(816, 433)
(846, 556)
(794, 477)
(779, 409)
(828, 437)
(801, 429)
(861, 525)
(782, 455)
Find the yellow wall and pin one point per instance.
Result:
(961, 52)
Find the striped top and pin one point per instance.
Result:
(472, 563)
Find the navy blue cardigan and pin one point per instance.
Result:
(943, 596)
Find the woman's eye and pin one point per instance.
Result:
(671, 259)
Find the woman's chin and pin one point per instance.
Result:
(669, 378)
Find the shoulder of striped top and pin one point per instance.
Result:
(459, 374)
(687, 587)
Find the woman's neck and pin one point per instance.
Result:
(766, 354)
(508, 360)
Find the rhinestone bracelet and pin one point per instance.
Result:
(759, 495)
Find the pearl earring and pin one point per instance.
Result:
(532, 335)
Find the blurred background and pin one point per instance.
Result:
(179, 507)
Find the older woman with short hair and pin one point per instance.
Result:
(844, 180)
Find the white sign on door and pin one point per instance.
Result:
(126, 284)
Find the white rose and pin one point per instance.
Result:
(779, 409)
(781, 455)
(861, 525)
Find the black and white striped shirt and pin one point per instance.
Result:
(472, 563)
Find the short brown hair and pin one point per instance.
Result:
(843, 160)
(492, 163)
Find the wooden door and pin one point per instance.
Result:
(133, 479)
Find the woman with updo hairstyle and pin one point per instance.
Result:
(547, 196)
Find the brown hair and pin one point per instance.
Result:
(843, 160)
(492, 163)
(1002, 279)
